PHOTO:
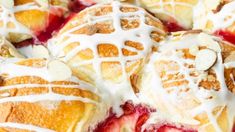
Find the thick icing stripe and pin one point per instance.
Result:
(43, 97)
(25, 127)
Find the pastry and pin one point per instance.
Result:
(12, 29)
(175, 13)
(42, 95)
(7, 50)
(42, 17)
(108, 43)
(191, 80)
(132, 119)
(109, 66)
(216, 17)
(26, 19)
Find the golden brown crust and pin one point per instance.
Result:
(175, 11)
(7, 49)
(180, 77)
(207, 83)
(34, 19)
(110, 70)
(59, 115)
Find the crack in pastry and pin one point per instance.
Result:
(32, 100)
(188, 91)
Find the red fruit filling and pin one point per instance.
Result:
(226, 35)
(56, 21)
(173, 26)
(233, 128)
(78, 5)
(54, 24)
(132, 119)
(167, 128)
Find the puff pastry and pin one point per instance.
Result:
(191, 80)
(217, 17)
(108, 43)
(42, 95)
(7, 50)
(172, 11)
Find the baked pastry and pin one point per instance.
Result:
(10, 27)
(24, 19)
(191, 80)
(132, 120)
(217, 17)
(42, 17)
(107, 43)
(7, 50)
(175, 13)
(42, 95)
(79, 5)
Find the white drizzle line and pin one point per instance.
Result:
(222, 19)
(225, 17)
(29, 6)
(25, 127)
(42, 97)
(159, 8)
(13, 70)
(6, 16)
(223, 97)
(19, 86)
(141, 34)
(172, 2)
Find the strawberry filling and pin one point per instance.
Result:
(56, 21)
(167, 128)
(226, 35)
(78, 5)
(233, 128)
(132, 119)
(173, 26)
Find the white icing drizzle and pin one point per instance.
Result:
(7, 16)
(42, 97)
(25, 127)
(9, 67)
(29, 6)
(159, 7)
(220, 20)
(121, 91)
(175, 103)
